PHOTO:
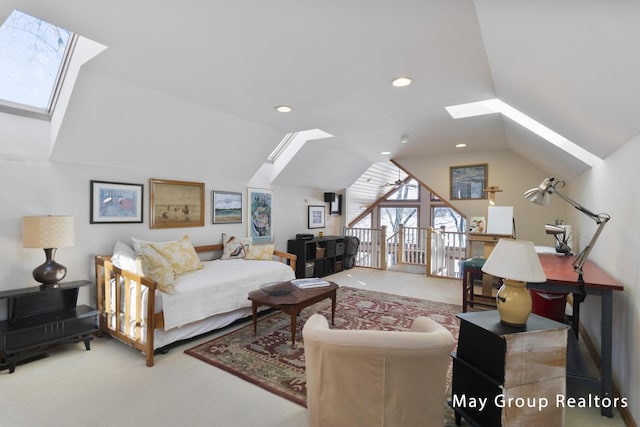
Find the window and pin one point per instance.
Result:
(392, 217)
(33, 57)
(407, 191)
(447, 219)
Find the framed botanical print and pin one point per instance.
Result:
(260, 215)
(226, 207)
(468, 182)
(176, 204)
(115, 202)
(316, 216)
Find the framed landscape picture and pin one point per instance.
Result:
(176, 204)
(316, 216)
(260, 215)
(115, 202)
(226, 207)
(468, 182)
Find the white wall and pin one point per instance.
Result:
(613, 188)
(63, 188)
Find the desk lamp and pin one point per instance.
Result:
(540, 196)
(517, 263)
(49, 233)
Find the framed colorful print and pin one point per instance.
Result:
(226, 207)
(468, 182)
(316, 216)
(176, 204)
(115, 202)
(260, 215)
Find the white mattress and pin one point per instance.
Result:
(220, 287)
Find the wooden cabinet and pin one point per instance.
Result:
(40, 317)
(509, 376)
(319, 256)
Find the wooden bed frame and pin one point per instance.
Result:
(122, 312)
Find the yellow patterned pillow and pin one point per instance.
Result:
(157, 268)
(261, 252)
(180, 254)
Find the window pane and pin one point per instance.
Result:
(448, 219)
(31, 54)
(393, 217)
(409, 191)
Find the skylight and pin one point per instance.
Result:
(496, 105)
(33, 55)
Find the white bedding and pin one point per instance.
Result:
(221, 286)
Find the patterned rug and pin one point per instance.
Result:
(268, 359)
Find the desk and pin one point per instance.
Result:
(562, 278)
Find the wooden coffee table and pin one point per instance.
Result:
(291, 300)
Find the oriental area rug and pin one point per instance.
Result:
(268, 359)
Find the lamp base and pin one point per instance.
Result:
(50, 273)
(514, 303)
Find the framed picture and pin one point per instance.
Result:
(336, 205)
(260, 215)
(468, 182)
(316, 216)
(176, 204)
(115, 202)
(226, 207)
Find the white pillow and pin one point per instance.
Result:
(124, 257)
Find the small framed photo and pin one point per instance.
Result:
(260, 215)
(226, 207)
(115, 202)
(176, 204)
(468, 182)
(316, 216)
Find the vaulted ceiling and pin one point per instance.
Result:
(571, 65)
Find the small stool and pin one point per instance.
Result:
(470, 267)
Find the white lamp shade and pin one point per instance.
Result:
(515, 260)
(52, 231)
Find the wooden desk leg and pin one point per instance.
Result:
(254, 312)
(606, 324)
(333, 308)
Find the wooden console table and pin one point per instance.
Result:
(40, 317)
(562, 278)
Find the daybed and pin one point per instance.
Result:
(214, 294)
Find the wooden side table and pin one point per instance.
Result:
(292, 300)
(495, 365)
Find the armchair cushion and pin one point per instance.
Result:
(382, 378)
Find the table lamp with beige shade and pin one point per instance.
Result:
(517, 262)
(48, 232)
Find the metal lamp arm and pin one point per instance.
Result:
(600, 219)
(594, 216)
(578, 263)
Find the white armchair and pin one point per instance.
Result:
(376, 378)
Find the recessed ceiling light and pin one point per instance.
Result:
(385, 153)
(283, 109)
(401, 82)
(404, 139)
(461, 145)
